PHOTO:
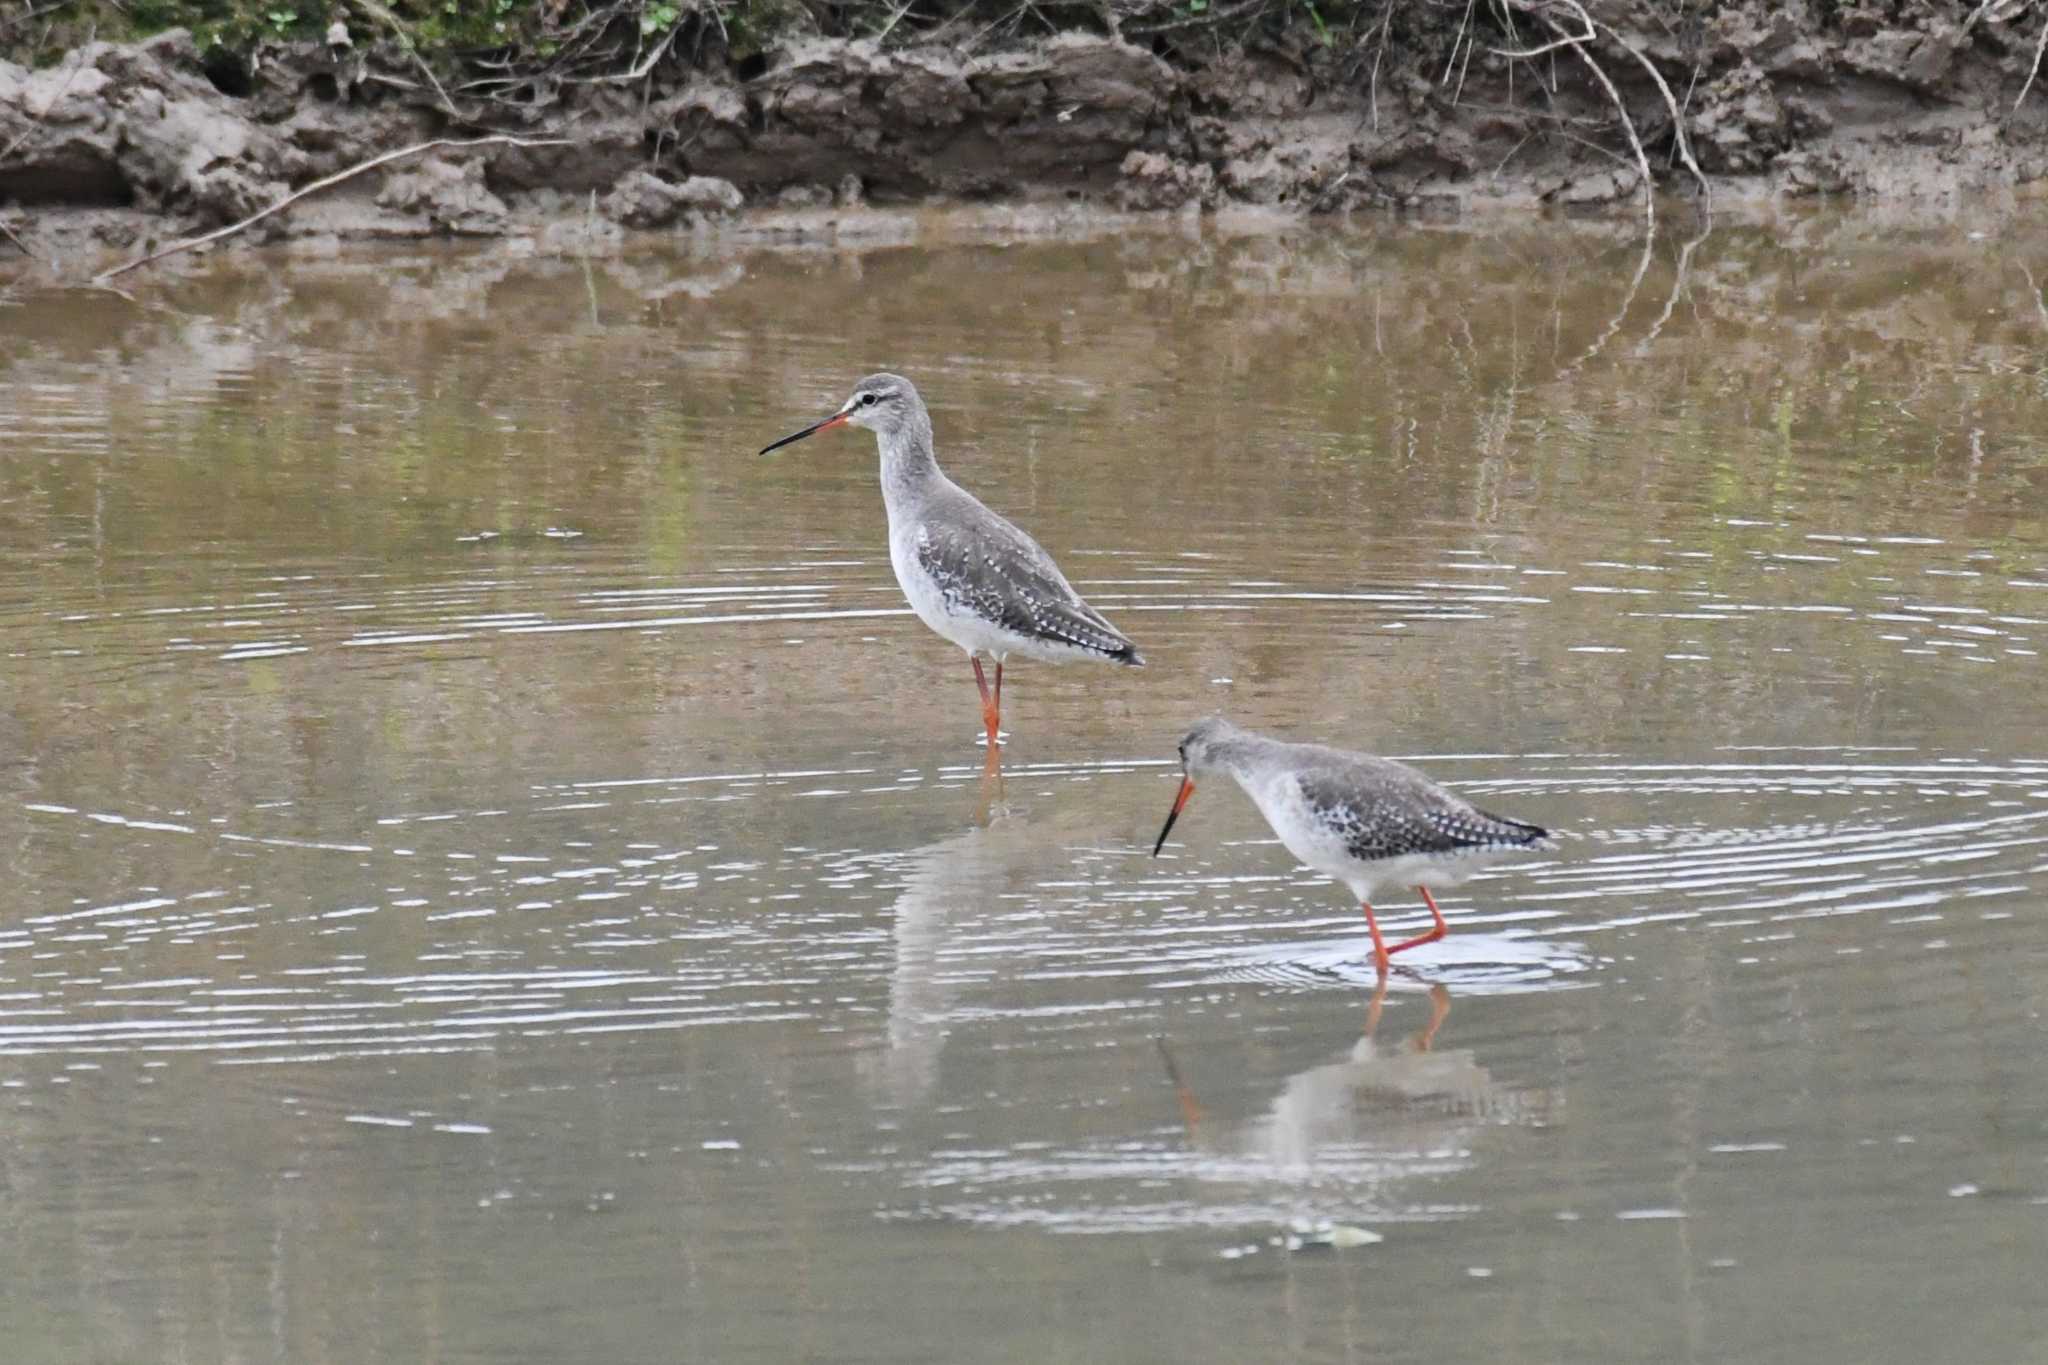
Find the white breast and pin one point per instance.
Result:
(1278, 797)
(918, 588)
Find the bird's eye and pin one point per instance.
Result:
(867, 400)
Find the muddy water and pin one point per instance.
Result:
(493, 872)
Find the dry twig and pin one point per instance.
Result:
(2040, 307)
(1683, 143)
(2033, 68)
(1457, 41)
(496, 139)
(647, 64)
(1580, 43)
(1628, 125)
(7, 231)
(1563, 39)
(1379, 55)
(384, 16)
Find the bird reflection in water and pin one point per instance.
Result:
(990, 807)
(1381, 1111)
(954, 892)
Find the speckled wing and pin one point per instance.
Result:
(1385, 810)
(984, 565)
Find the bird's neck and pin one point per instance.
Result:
(909, 469)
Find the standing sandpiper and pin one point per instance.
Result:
(969, 574)
(1363, 821)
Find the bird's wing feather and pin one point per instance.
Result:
(1385, 809)
(992, 568)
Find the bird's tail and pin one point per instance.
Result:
(1521, 833)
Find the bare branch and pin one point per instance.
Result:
(1580, 44)
(7, 231)
(2033, 68)
(1563, 40)
(384, 16)
(1683, 143)
(1464, 31)
(1628, 125)
(497, 139)
(646, 65)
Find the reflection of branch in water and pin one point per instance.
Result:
(2040, 308)
(1680, 273)
(1627, 302)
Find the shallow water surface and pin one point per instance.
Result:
(494, 871)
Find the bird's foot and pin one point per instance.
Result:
(1430, 936)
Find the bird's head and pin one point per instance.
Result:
(886, 404)
(1201, 753)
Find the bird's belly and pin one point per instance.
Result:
(1434, 870)
(1325, 849)
(957, 621)
(929, 601)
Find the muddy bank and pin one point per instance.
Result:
(122, 146)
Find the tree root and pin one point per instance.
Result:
(1581, 43)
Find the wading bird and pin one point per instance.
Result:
(1363, 821)
(969, 574)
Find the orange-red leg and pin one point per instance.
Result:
(1436, 932)
(1379, 945)
(991, 706)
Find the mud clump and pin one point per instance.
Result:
(449, 195)
(1152, 180)
(644, 200)
(1742, 126)
(136, 126)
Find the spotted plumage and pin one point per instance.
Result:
(1383, 810)
(990, 582)
(968, 573)
(1363, 821)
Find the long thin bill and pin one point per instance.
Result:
(813, 429)
(1187, 789)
